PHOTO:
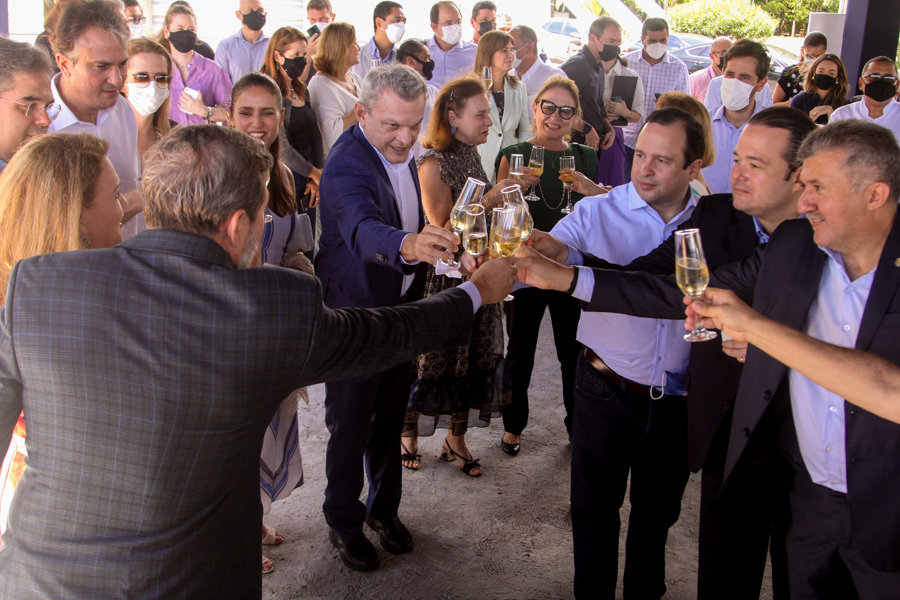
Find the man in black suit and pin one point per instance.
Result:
(735, 528)
(148, 373)
(835, 277)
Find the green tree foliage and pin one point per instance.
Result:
(787, 12)
(734, 18)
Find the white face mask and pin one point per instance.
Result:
(809, 60)
(451, 34)
(146, 100)
(395, 32)
(137, 29)
(517, 61)
(656, 51)
(736, 94)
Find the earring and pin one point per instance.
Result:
(453, 129)
(85, 240)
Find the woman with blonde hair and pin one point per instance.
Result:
(334, 90)
(58, 193)
(825, 88)
(147, 90)
(695, 108)
(301, 141)
(509, 99)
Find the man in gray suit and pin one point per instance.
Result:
(148, 373)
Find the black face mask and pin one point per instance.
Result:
(254, 20)
(427, 67)
(824, 82)
(609, 52)
(486, 26)
(879, 91)
(184, 40)
(294, 66)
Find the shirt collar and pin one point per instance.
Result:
(761, 234)
(635, 202)
(240, 36)
(3, 164)
(432, 44)
(590, 58)
(66, 117)
(861, 282)
(373, 48)
(396, 167)
(710, 72)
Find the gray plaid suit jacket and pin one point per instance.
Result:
(148, 373)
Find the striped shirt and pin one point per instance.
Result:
(670, 74)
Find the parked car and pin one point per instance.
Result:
(697, 57)
(560, 38)
(676, 41)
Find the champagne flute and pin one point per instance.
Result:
(516, 166)
(512, 197)
(471, 194)
(475, 232)
(506, 234)
(692, 276)
(567, 175)
(487, 76)
(536, 164)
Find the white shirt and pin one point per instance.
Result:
(714, 96)
(117, 126)
(668, 75)
(534, 79)
(858, 110)
(638, 104)
(331, 101)
(455, 62)
(368, 54)
(640, 349)
(431, 94)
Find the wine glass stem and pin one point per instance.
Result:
(698, 323)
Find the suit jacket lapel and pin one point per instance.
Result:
(742, 239)
(415, 176)
(392, 207)
(884, 286)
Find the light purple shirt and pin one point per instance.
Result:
(205, 76)
(668, 75)
(455, 62)
(725, 138)
(239, 57)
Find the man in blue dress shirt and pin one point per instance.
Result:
(631, 412)
(453, 56)
(245, 51)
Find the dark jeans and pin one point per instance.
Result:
(616, 431)
(736, 526)
(629, 162)
(824, 561)
(523, 322)
(364, 416)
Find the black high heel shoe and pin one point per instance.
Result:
(511, 449)
(449, 455)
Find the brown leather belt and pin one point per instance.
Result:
(625, 384)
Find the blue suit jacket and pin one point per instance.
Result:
(359, 260)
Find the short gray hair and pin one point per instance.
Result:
(870, 152)
(198, 176)
(400, 79)
(20, 57)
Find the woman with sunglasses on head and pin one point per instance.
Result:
(825, 89)
(556, 110)
(509, 99)
(147, 90)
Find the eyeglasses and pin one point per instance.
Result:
(142, 80)
(135, 20)
(565, 112)
(450, 23)
(719, 53)
(33, 110)
(876, 77)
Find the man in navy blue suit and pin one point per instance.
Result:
(374, 241)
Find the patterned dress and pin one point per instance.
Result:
(466, 385)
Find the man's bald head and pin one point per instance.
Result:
(721, 43)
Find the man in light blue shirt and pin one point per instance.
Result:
(390, 25)
(746, 72)
(629, 403)
(245, 51)
(452, 56)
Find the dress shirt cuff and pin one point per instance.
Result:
(584, 289)
(575, 258)
(472, 290)
(403, 260)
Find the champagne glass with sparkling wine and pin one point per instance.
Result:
(487, 76)
(471, 194)
(536, 164)
(516, 166)
(567, 176)
(512, 198)
(475, 231)
(506, 234)
(692, 276)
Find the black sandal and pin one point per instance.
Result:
(471, 463)
(408, 456)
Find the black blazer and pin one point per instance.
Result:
(712, 379)
(148, 374)
(781, 280)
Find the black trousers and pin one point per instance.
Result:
(616, 432)
(824, 561)
(523, 323)
(364, 416)
(740, 527)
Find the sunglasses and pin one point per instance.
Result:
(565, 112)
(876, 77)
(142, 80)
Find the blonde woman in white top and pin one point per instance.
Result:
(509, 99)
(334, 90)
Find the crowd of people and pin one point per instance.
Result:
(151, 373)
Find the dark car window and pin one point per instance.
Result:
(555, 27)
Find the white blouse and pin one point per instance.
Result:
(638, 104)
(331, 101)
